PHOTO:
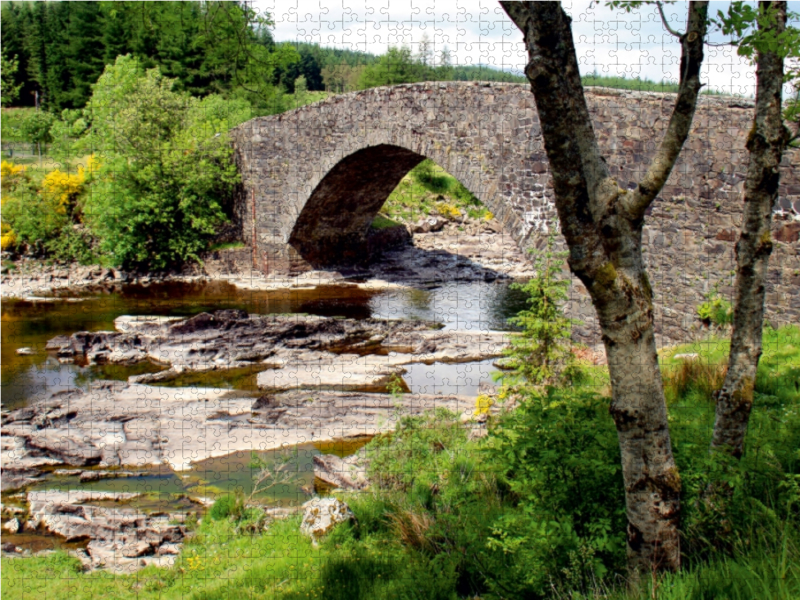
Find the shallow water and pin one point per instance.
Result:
(460, 305)
(164, 488)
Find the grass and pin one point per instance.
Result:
(428, 188)
(381, 222)
(227, 246)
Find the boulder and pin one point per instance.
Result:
(322, 515)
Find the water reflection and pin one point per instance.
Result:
(465, 379)
(460, 305)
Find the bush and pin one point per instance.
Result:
(541, 353)
(558, 455)
(167, 170)
(228, 506)
(36, 128)
(46, 217)
(715, 310)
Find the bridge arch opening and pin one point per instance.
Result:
(335, 224)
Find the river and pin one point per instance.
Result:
(30, 323)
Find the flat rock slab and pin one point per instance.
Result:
(294, 351)
(116, 424)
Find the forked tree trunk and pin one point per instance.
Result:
(602, 225)
(766, 144)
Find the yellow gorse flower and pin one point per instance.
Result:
(64, 187)
(9, 169)
(8, 239)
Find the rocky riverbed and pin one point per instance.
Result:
(70, 439)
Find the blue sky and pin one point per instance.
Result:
(479, 32)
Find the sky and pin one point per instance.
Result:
(610, 42)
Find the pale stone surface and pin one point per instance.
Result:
(121, 539)
(11, 526)
(131, 425)
(322, 515)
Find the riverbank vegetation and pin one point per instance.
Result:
(532, 509)
(427, 189)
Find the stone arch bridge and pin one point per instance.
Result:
(314, 178)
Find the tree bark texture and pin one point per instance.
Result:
(602, 224)
(766, 143)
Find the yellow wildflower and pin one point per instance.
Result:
(482, 404)
(64, 187)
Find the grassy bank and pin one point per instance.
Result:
(427, 189)
(531, 510)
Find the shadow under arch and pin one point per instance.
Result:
(333, 226)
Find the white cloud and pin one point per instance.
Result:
(479, 32)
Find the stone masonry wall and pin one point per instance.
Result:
(295, 178)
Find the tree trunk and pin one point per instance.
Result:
(765, 144)
(602, 225)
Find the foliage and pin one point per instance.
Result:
(12, 121)
(228, 506)
(166, 169)
(208, 47)
(750, 30)
(43, 215)
(558, 455)
(715, 310)
(8, 69)
(430, 189)
(541, 353)
(36, 127)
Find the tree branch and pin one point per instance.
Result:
(677, 34)
(681, 120)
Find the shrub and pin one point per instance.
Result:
(559, 457)
(167, 170)
(36, 128)
(228, 506)
(715, 310)
(46, 217)
(541, 353)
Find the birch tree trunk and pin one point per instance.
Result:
(766, 143)
(602, 224)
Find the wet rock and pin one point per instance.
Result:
(9, 548)
(322, 515)
(12, 526)
(25, 351)
(16, 479)
(344, 473)
(86, 476)
(223, 339)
